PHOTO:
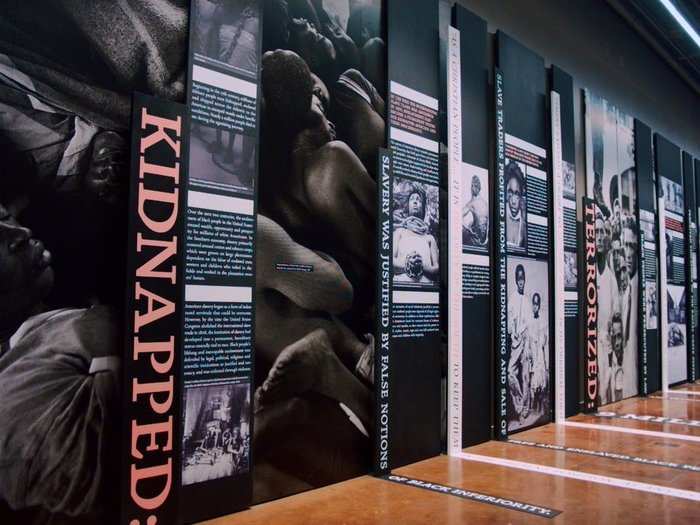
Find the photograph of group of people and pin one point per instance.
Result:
(416, 230)
(215, 437)
(528, 343)
(673, 196)
(613, 187)
(323, 83)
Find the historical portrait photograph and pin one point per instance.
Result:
(516, 206)
(528, 342)
(475, 208)
(415, 221)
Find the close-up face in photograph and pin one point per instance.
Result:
(26, 276)
(317, 50)
(514, 193)
(600, 236)
(476, 186)
(536, 304)
(520, 279)
(415, 205)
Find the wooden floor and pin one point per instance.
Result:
(368, 500)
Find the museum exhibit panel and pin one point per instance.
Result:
(524, 278)
(470, 245)
(611, 181)
(649, 329)
(368, 261)
(669, 181)
(566, 250)
(691, 227)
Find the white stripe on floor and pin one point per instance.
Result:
(689, 392)
(628, 430)
(583, 476)
(677, 398)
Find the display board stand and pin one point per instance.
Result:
(674, 255)
(557, 213)
(691, 246)
(663, 301)
(525, 305)
(413, 390)
(454, 164)
(649, 332)
(470, 226)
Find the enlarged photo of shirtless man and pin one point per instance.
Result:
(475, 208)
(323, 120)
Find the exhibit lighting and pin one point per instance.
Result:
(681, 20)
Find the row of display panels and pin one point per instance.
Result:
(601, 339)
(278, 319)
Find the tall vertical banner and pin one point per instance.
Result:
(669, 180)
(500, 261)
(153, 356)
(611, 182)
(415, 379)
(567, 254)
(696, 165)
(691, 226)
(454, 287)
(663, 293)
(382, 365)
(558, 245)
(526, 193)
(469, 363)
(649, 349)
(589, 320)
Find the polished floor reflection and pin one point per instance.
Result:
(638, 493)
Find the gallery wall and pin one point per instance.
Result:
(599, 49)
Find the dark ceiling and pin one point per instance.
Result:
(662, 31)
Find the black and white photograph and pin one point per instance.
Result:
(569, 176)
(673, 196)
(676, 332)
(516, 206)
(613, 187)
(225, 33)
(475, 208)
(323, 83)
(416, 230)
(570, 271)
(68, 74)
(528, 343)
(222, 159)
(652, 305)
(216, 433)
